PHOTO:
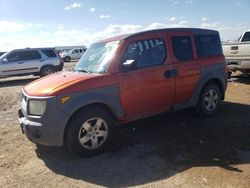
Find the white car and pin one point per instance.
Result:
(75, 53)
(238, 54)
(36, 61)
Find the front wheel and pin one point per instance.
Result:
(89, 131)
(209, 101)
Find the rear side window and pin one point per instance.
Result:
(49, 53)
(182, 47)
(208, 45)
(29, 55)
(246, 37)
(146, 52)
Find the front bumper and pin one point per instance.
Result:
(47, 129)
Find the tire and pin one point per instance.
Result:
(209, 101)
(89, 132)
(67, 59)
(47, 70)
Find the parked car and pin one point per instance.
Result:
(123, 79)
(237, 54)
(75, 53)
(37, 61)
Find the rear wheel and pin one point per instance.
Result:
(67, 59)
(209, 101)
(47, 70)
(89, 131)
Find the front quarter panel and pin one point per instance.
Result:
(107, 95)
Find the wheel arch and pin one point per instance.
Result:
(103, 106)
(216, 82)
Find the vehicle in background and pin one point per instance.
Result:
(1, 53)
(237, 54)
(122, 79)
(75, 53)
(60, 49)
(36, 61)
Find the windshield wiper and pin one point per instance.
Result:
(82, 70)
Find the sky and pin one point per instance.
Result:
(50, 23)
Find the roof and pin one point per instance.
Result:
(195, 31)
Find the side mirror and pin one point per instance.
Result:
(5, 60)
(130, 64)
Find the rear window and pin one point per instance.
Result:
(49, 53)
(246, 37)
(208, 45)
(182, 46)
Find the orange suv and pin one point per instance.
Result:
(122, 79)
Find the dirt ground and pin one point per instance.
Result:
(169, 150)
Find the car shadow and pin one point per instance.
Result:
(19, 81)
(242, 78)
(158, 147)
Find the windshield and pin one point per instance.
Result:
(2, 54)
(97, 58)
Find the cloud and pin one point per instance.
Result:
(189, 2)
(173, 1)
(92, 10)
(172, 19)
(183, 22)
(105, 16)
(204, 19)
(62, 36)
(7, 26)
(73, 5)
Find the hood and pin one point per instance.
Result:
(47, 86)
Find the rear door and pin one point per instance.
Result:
(31, 61)
(186, 64)
(150, 88)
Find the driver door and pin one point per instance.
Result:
(149, 89)
(13, 64)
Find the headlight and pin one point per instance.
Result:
(37, 107)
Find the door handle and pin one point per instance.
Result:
(171, 73)
(21, 62)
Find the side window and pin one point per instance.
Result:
(49, 53)
(14, 56)
(75, 51)
(147, 52)
(182, 47)
(246, 37)
(208, 45)
(80, 50)
(29, 55)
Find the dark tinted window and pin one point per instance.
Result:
(80, 50)
(182, 47)
(208, 45)
(14, 56)
(146, 53)
(29, 55)
(49, 53)
(246, 37)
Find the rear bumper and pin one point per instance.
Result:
(60, 67)
(234, 65)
